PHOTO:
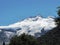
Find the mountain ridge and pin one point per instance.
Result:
(29, 26)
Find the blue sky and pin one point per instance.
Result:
(12, 11)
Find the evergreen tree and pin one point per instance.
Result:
(58, 12)
(52, 37)
(24, 40)
(58, 18)
(3, 43)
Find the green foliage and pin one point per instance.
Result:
(24, 40)
(51, 38)
(58, 18)
(3, 43)
(58, 12)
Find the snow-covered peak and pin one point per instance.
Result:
(31, 26)
(35, 21)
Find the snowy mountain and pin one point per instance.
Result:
(35, 26)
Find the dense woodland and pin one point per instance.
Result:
(50, 38)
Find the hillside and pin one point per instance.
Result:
(50, 38)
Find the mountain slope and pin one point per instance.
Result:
(51, 38)
(32, 26)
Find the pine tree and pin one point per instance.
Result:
(3, 43)
(58, 12)
(58, 18)
(24, 40)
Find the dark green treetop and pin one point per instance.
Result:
(24, 39)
